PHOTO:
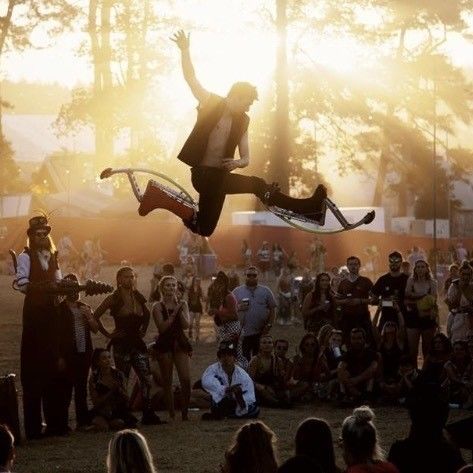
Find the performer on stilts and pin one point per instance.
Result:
(221, 127)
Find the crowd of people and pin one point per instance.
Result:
(254, 447)
(365, 342)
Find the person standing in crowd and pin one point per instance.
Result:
(246, 254)
(256, 311)
(66, 251)
(406, 268)
(317, 256)
(426, 448)
(389, 287)
(285, 308)
(264, 260)
(41, 365)
(453, 275)
(306, 285)
(108, 394)
(195, 297)
(233, 278)
(7, 449)
(172, 318)
(128, 452)
(231, 388)
(318, 308)
(128, 309)
(76, 323)
(223, 310)
(358, 368)
(278, 257)
(460, 303)
(353, 297)
(361, 450)
(421, 315)
(314, 440)
(267, 372)
(253, 450)
(461, 253)
(415, 255)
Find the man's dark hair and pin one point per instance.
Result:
(358, 330)
(395, 254)
(243, 89)
(7, 442)
(168, 269)
(355, 258)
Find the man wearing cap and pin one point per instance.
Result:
(231, 388)
(256, 311)
(37, 273)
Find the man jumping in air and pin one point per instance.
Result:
(221, 127)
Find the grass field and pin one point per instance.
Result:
(194, 446)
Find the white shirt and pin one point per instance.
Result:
(215, 381)
(24, 267)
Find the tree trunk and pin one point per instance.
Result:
(101, 56)
(385, 153)
(279, 165)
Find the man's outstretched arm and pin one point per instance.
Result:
(183, 43)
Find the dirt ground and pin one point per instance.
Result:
(192, 446)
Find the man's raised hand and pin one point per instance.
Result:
(181, 39)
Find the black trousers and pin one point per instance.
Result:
(78, 372)
(250, 346)
(214, 184)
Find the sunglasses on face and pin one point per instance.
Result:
(41, 234)
(395, 260)
(251, 275)
(281, 348)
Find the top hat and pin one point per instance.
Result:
(38, 223)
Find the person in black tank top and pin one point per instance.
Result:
(172, 346)
(128, 309)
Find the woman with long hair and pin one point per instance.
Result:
(172, 346)
(361, 450)
(223, 308)
(319, 305)
(195, 296)
(314, 440)
(309, 368)
(108, 394)
(128, 309)
(421, 308)
(459, 376)
(268, 374)
(128, 452)
(434, 362)
(253, 450)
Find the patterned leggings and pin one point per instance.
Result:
(125, 359)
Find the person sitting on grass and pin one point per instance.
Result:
(459, 376)
(357, 370)
(314, 440)
(7, 449)
(108, 394)
(426, 448)
(267, 372)
(361, 450)
(128, 452)
(253, 450)
(281, 347)
(231, 388)
(330, 341)
(309, 369)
